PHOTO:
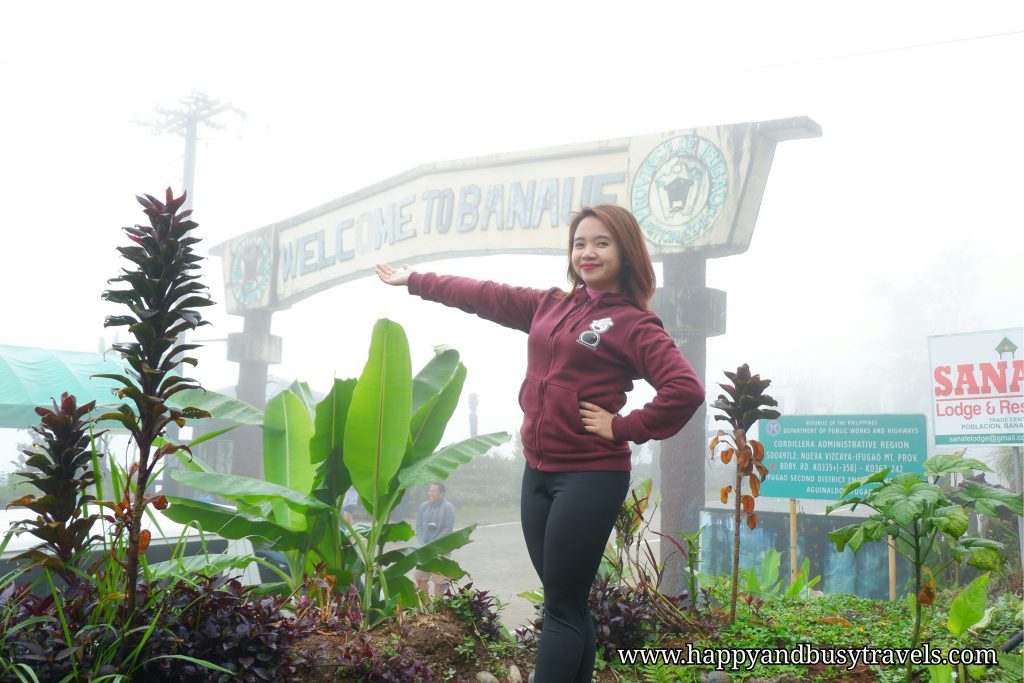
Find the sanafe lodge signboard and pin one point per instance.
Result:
(978, 387)
(697, 189)
(816, 456)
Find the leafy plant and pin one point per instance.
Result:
(623, 618)
(966, 611)
(743, 406)
(915, 512)
(216, 619)
(357, 659)
(691, 551)
(629, 527)
(322, 604)
(631, 562)
(477, 609)
(64, 463)
(378, 433)
(767, 584)
(162, 296)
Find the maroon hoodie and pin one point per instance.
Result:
(580, 349)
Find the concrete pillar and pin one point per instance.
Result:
(691, 313)
(254, 350)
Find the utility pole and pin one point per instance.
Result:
(197, 108)
(474, 401)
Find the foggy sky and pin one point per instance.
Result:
(901, 221)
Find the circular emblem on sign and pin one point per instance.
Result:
(679, 190)
(250, 269)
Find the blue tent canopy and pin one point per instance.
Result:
(31, 377)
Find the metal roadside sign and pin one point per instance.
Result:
(978, 387)
(816, 456)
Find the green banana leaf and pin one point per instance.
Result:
(431, 419)
(199, 564)
(248, 490)
(437, 466)
(286, 434)
(377, 427)
(435, 375)
(302, 390)
(403, 560)
(326, 446)
(231, 524)
(219, 406)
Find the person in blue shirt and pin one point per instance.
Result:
(435, 518)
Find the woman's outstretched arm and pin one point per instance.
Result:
(504, 304)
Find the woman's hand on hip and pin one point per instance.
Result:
(597, 420)
(390, 276)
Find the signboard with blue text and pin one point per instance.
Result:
(816, 456)
(695, 190)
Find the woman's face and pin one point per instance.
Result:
(595, 256)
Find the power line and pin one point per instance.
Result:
(903, 48)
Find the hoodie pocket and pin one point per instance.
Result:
(529, 401)
(559, 423)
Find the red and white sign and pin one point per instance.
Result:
(978, 387)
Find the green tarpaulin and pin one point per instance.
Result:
(31, 377)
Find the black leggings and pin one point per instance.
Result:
(567, 518)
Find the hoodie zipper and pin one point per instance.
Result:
(584, 305)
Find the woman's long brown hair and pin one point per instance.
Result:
(637, 274)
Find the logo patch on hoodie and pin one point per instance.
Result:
(592, 337)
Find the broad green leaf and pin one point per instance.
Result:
(976, 671)
(192, 464)
(330, 421)
(969, 607)
(445, 567)
(841, 536)
(302, 390)
(434, 376)
(377, 427)
(951, 520)
(431, 418)
(231, 524)
(439, 465)
(252, 491)
(287, 430)
(403, 560)
(770, 570)
(987, 499)
(904, 498)
(219, 406)
(1010, 662)
(952, 464)
(872, 479)
(403, 593)
(398, 532)
(332, 479)
(199, 564)
(940, 673)
(981, 553)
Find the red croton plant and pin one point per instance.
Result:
(743, 406)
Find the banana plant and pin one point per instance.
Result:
(379, 433)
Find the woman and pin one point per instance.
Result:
(585, 349)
